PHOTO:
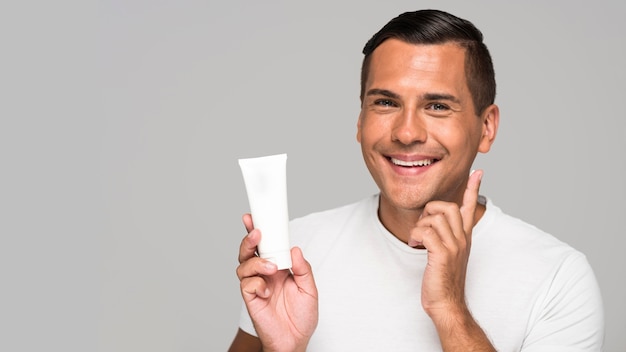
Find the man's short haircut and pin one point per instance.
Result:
(438, 27)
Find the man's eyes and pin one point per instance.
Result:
(385, 103)
(438, 107)
(432, 106)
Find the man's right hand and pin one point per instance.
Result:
(283, 305)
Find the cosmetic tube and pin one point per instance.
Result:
(266, 185)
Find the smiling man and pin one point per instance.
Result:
(418, 128)
(427, 263)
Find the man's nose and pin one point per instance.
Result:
(409, 128)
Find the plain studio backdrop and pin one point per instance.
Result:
(122, 122)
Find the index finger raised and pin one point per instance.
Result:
(470, 199)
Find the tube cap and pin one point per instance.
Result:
(282, 259)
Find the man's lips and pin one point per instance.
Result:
(412, 161)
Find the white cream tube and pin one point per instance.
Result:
(266, 185)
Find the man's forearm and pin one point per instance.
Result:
(458, 331)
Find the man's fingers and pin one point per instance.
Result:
(302, 272)
(247, 222)
(253, 287)
(470, 199)
(445, 218)
(248, 246)
(254, 267)
(427, 237)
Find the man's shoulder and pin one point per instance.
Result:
(502, 230)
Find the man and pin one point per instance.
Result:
(426, 264)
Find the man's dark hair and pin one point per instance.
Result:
(438, 27)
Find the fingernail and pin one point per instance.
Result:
(269, 265)
(480, 177)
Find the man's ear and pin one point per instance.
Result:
(490, 119)
(358, 127)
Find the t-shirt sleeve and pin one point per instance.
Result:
(245, 322)
(570, 316)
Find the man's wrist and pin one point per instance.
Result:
(458, 331)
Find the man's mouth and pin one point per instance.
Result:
(413, 163)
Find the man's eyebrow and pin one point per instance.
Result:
(440, 96)
(383, 92)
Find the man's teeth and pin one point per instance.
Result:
(424, 162)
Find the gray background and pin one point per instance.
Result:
(121, 124)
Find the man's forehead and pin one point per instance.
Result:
(395, 59)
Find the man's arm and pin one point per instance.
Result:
(245, 342)
(445, 230)
(282, 303)
(460, 332)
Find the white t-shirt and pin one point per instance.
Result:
(526, 289)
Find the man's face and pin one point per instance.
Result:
(417, 128)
